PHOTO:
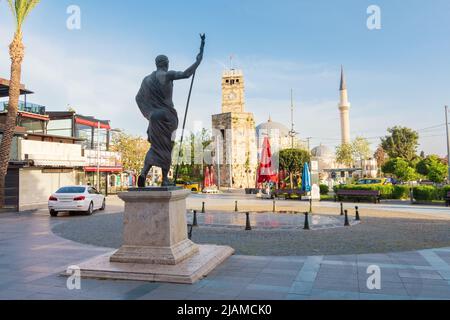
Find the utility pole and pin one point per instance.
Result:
(448, 141)
(292, 133)
(309, 143)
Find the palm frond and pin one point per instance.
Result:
(21, 9)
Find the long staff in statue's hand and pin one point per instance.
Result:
(199, 58)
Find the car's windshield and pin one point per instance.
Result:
(72, 190)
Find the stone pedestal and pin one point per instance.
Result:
(156, 245)
(155, 228)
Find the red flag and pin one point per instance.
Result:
(265, 172)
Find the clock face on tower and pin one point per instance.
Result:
(232, 95)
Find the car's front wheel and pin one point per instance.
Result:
(103, 205)
(53, 213)
(90, 210)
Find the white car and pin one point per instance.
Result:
(76, 198)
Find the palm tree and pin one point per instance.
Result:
(20, 9)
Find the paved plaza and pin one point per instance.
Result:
(32, 258)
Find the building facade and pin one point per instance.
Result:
(39, 163)
(103, 168)
(234, 134)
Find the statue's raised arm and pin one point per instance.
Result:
(177, 75)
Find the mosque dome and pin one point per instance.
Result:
(270, 125)
(322, 152)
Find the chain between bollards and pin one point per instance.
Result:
(194, 220)
(342, 209)
(248, 226)
(306, 227)
(203, 207)
(347, 223)
(357, 218)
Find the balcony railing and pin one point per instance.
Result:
(25, 107)
(107, 158)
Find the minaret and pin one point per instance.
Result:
(344, 108)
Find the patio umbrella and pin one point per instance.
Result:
(207, 180)
(306, 178)
(265, 171)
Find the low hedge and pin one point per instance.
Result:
(421, 193)
(387, 191)
(427, 193)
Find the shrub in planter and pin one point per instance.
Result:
(426, 193)
(444, 191)
(324, 189)
(400, 192)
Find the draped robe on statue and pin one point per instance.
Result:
(155, 102)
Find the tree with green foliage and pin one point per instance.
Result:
(380, 156)
(361, 149)
(192, 155)
(344, 154)
(401, 169)
(292, 161)
(433, 168)
(133, 150)
(401, 142)
(20, 10)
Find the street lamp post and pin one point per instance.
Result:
(98, 156)
(218, 162)
(448, 141)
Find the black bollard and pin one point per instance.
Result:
(236, 207)
(310, 205)
(342, 209)
(248, 226)
(306, 221)
(357, 218)
(203, 207)
(190, 229)
(274, 206)
(347, 223)
(194, 221)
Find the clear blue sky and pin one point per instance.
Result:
(397, 75)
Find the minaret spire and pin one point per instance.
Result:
(344, 109)
(343, 83)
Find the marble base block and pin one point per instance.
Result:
(155, 228)
(156, 245)
(189, 271)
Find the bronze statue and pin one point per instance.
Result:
(155, 102)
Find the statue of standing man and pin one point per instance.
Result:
(155, 102)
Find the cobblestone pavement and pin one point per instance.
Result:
(32, 257)
(226, 202)
(373, 235)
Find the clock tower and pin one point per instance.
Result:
(234, 134)
(233, 91)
